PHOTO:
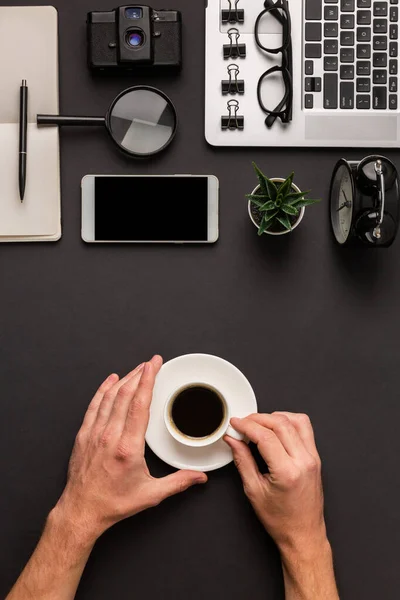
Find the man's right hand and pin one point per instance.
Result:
(289, 499)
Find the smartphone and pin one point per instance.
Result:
(176, 209)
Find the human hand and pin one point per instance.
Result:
(289, 499)
(108, 478)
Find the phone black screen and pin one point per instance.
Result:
(142, 209)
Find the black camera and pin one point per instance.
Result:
(131, 36)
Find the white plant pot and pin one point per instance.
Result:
(299, 219)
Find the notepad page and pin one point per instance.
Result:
(37, 62)
(28, 50)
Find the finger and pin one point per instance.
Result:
(305, 430)
(177, 483)
(107, 401)
(139, 409)
(270, 447)
(119, 410)
(245, 463)
(157, 362)
(284, 430)
(92, 409)
(126, 393)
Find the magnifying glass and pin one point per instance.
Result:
(141, 121)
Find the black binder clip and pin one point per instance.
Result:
(234, 49)
(233, 15)
(232, 120)
(233, 85)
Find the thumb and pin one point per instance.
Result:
(245, 463)
(180, 482)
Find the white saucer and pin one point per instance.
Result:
(188, 369)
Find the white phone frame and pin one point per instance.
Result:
(88, 202)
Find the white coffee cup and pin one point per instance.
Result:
(200, 442)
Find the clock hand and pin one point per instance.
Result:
(346, 204)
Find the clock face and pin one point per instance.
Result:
(342, 203)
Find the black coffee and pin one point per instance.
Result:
(197, 411)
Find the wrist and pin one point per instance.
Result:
(77, 533)
(311, 548)
(308, 569)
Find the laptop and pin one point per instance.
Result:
(344, 69)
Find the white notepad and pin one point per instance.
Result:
(38, 218)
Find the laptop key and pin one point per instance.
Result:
(347, 5)
(347, 55)
(331, 13)
(347, 94)
(393, 66)
(380, 9)
(331, 47)
(364, 3)
(330, 90)
(380, 26)
(363, 51)
(364, 17)
(331, 63)
(347, 21)
(379, 59)
(313, 32)
(363, 102)
(380, 42)
(392, 84)
(363, 85)
(347, 38)
(313, 10)
(309, 67)
(331, 30)
(393, 102)
(379, 98)
(313, 50)
(394, 32)
(363, 68)
(309, 101)
(393, 49)
(394, 14)
(379, 77)
(347, 72)
(363, 34)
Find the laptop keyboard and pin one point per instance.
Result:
(351, 54)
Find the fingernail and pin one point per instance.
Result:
(113, 378)
(201, 480)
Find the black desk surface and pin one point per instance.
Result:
(314, 328)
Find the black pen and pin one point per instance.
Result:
(23, 138)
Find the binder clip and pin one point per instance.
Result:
(232, 120)
(233, 85)
(233, 15)
(234, 49)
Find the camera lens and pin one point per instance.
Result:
(135, 39)
(133, 13)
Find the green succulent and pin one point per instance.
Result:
(277, 203)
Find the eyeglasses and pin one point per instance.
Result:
(280, 12)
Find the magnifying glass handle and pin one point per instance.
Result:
(62, 120)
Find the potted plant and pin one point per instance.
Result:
(277, 206)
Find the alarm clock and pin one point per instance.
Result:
(364, 202)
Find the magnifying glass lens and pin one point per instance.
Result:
(142, 121)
